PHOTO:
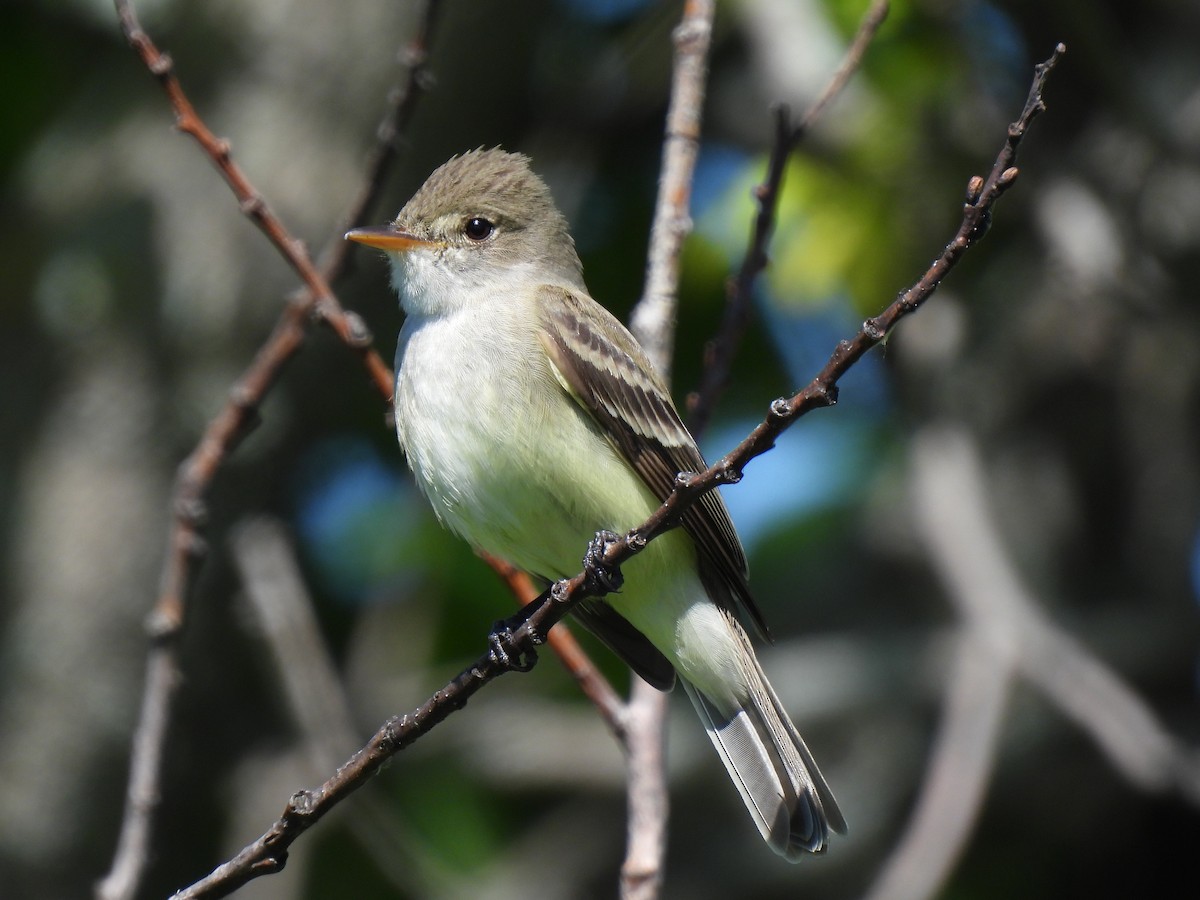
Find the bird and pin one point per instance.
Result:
(533, 420)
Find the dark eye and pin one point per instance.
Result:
(478, 229)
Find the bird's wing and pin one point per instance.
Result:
(609, 374)
(627, 642)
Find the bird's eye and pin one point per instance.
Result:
(478, 229)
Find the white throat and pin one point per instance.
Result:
(434, 283)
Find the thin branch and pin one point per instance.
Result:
(948, 505)
(185, 548)
(957, 775)
(871, 21)
(315, 699)
(982, 195)
(319, 300)
(653, 323)
(653, 319)
(145, 777)
(515, 648)
(719, 353)
(1005, 634)
(231, 424)
(645, 792)
(389, 136)
(988, 591)
(572, 656)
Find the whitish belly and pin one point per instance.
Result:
(506, 457)
(514, 465)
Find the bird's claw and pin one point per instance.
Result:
(607, 577)
(505, 652)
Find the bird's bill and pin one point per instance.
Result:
(386, 237)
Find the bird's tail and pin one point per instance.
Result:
(771, 767)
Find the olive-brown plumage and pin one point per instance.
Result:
(532, 419)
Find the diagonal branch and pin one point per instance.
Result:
(641, 871)
(719, 353)
(1004, 635)
(529, 627)
(571, 654)
(389, 137)
(319, 300)
(231, 424)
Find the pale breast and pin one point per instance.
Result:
(507, 459)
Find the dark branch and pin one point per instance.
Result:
(720, 352)
(390, 134)
(528, 629)
(185, 544)
(574, 658)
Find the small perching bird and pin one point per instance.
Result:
(532, 420)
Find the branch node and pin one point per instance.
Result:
(729, 474)
(300, 805)
(161, 65)
(822, 393)
(600, 573)
(393, 733)
(254, 205)
(781, 410)
(243, 397)
(560, 591)
(974, 189)
(504, 652)
(978, 228)
(425, 80)
(163, 623)
(684, 480)
(358, 335)
(191, 511)
(690, 33)
(270, 864)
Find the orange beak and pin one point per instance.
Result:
(387, 237)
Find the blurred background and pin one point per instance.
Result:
(1023, 452)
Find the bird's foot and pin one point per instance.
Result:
(505, 652)
(607, 577)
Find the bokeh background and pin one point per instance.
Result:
(1061, 358)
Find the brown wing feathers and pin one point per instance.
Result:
(612, 378)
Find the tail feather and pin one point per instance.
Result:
(772, 769)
